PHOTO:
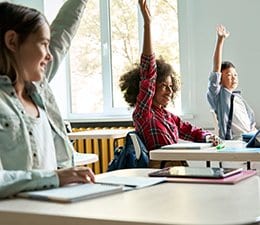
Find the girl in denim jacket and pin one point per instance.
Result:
(33, 140)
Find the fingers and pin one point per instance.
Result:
(222, 31)
(215, 140)
(85, 173)
(75, 175)
(145, 11)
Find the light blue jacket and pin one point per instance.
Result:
(219, 100)
(16, 172)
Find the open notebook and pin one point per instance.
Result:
(187, 145)
(131, 182)
(72, 193)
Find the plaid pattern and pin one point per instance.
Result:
(157, 126)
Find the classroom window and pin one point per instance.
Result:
(107, 44)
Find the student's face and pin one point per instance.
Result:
(163, 93)
(34, 55)
(229, 78)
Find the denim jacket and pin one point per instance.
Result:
(219, 100)
(16, 157)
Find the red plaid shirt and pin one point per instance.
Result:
(157, 126)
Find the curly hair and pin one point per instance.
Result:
(129, 82)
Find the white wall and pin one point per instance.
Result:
(197, 23)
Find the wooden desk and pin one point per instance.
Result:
(81, 159)
(99, 134)
(163, 204)
(103, 144)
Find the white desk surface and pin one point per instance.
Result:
(167, 203)
(100, 133)
(208, 154)
(84, 158)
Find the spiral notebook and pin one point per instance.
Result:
(72, 193)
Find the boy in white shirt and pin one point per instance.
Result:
(234, 115)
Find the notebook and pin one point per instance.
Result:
(228, 180)
(72, 193)
(131, 182)
(187, 145)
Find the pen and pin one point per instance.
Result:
(220, 146)
(115, 184)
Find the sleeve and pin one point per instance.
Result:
(63, 29)
(213, 88)
(191, 133)
(147, 85)
(15, 181)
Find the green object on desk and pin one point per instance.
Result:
(220, 146)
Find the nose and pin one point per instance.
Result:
(169, 89)
(49, 56)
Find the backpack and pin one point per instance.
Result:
(125, 157)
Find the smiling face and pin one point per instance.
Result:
(33, 55)
(163, 93)
(229, 78)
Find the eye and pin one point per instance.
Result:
(45, 43)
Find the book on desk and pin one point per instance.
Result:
(245, 174)
(180, 174)
(104, 186)
(188, 145)
(72, 193)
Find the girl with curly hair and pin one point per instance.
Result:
(149, 88)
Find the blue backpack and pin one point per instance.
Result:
(125, 157)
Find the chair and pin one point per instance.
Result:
(136, 145)
(80, 159)
(132, 155)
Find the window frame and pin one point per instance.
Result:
(110, 113)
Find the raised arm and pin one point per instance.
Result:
(147, 44)
(222, 33)
(63, 29)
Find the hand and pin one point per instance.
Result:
(214, 139)
(145, 11)
(222, 31)
(75, 175)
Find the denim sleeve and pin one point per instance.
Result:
(15, 181)
(63, 29)
(213, 89)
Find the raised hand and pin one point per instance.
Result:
(222, 31)
(145, 11)
(147, 42)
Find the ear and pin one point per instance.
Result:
(11, 38)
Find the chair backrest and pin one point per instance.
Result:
(136, 145)
(80, 159)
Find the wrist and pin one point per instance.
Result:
(208, 138)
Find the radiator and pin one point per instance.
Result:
(104, 148)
